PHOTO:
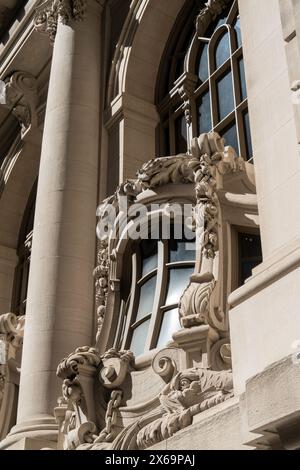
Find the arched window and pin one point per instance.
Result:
(206, 90)
(160, 269)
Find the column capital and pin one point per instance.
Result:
(50, 12)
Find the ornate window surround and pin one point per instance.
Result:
(157, 181)
(102, 406)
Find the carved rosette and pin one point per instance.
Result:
(51, 11)
(19, 93)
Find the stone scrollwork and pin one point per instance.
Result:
(194, 308)
(75, 424)
(50, 11)
(19, 93)
(209, 13)
(68, 367)
(115, 365)
(11, 341)
(189, 393)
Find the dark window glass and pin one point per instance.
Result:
(139, 337)
(237, 27)
(147, 292)
(230, 136)
(181, 135)
(182, 251)
(166, 142)
(203, 63)
(247, 134)
(250, 254)
(222, 50)
(242, 79)
(170, 323)
(204, 114)
(225, 95)
(149, 256)
(178, 280)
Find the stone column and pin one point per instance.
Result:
(59, 314)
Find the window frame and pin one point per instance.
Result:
(171, 106)
(164, 267)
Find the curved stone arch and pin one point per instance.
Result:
(132, 71)
(18, 183)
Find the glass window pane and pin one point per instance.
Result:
(139, 337)
(250, 254)
(237, 27)
(250, 245)
(178, 280)
(149, 256)
(147, 292)
(180, 135)
(181, 250)
(203, 63)
(247, 135)
(242, 79)
(230, 136)
(225, 95)
(170, 324)
(166, 141)
(204, 114)
(222, 50)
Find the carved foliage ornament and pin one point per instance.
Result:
(189, 393)
(78, 430)
(200, 167)
(19, 94)
(51, 11)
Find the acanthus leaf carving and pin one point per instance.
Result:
(194, 307)
(19, 93)
(51, 11)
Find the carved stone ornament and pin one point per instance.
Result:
(189, 393)
(19, 94)
(212, 9)
(200, 167)
(115, 365)
(73, 412)
(186, 394)
(11, 341)
(51, 11)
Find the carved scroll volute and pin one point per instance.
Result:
(114, 368)
(166, 363)
(19, 94)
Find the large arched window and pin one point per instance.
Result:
(206, 87)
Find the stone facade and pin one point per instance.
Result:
(88, 94)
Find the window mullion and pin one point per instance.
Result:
(159, 295)
(132, 304)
